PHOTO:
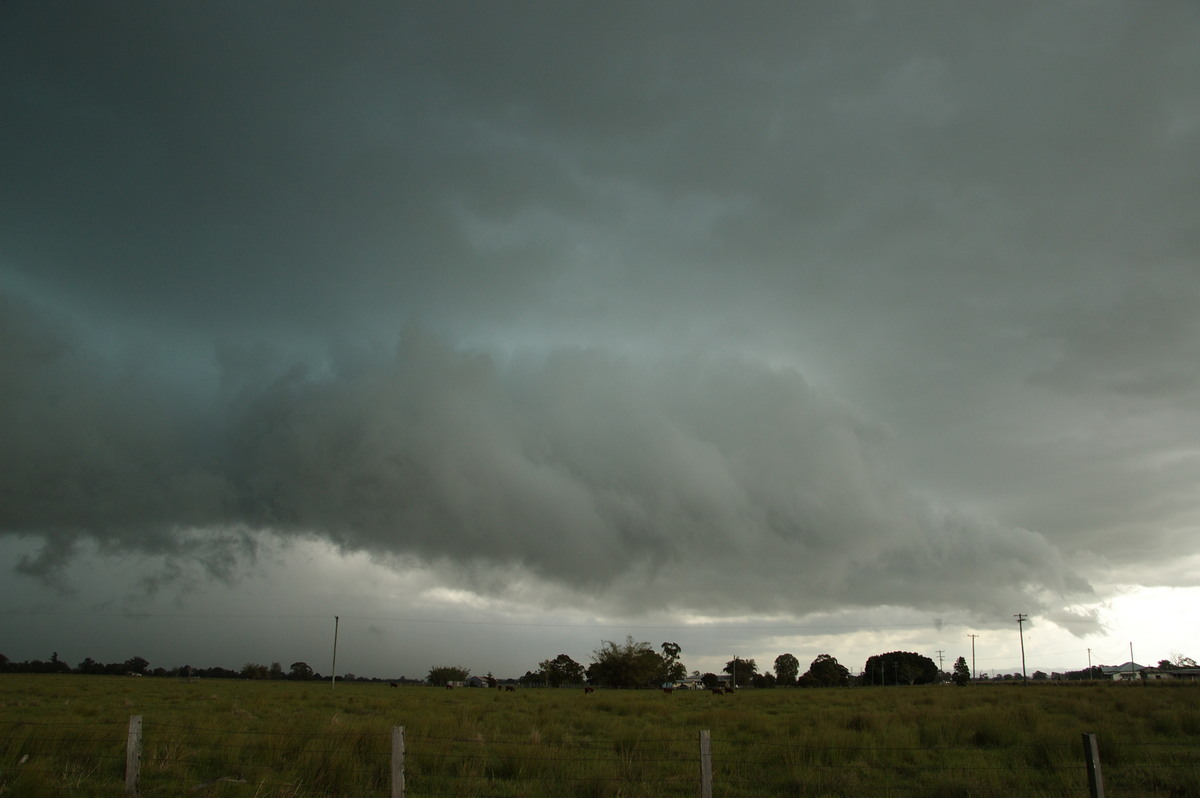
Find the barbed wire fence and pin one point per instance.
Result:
(111, 758)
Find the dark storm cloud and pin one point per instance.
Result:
(292, 166)
(591, 471)
(864, 302)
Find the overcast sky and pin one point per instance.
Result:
(500, 329)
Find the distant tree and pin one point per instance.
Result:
(252, 670)
(901, 667)
(135, 665)
(633, 664)
(440, 674)
(787, 668)
(673, 670)
(711, 681)
(560, 670)
(1040, 676)
(300, 671)
(90, 666)
(742, 670)
(962, 673)
(1180, 661)
(763, 680)
(826, 671)
(276, 671)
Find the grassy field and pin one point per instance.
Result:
(66, 735)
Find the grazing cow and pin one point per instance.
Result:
(589, 690)
(729, 691)
(392, 684)
(449, 686)
(668, 690)
(508, 688)
(718, 691)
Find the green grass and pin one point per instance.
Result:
(65, 735)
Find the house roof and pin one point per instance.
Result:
(1126, 668)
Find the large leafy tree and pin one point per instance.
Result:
(254, 670)
(440, 674)
(787, 668)
(743, 671)
(826, 671)
(900, 667)
(673, 669)
(299, 671)
(628, 664)
(962, 672)
(560, 670)
(88, 665)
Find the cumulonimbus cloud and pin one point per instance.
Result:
(690, 481)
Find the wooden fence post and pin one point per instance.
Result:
(1091, 755)
(397, 762)
(705, 764)
(133, 755)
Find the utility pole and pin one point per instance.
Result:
(333, 678)
(941, 654)
(1089, 663)
(1021, 628)
(974, 673)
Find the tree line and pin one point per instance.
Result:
(637, 664)
(139, 666)
(631, 664)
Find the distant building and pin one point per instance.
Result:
(1130, 671)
